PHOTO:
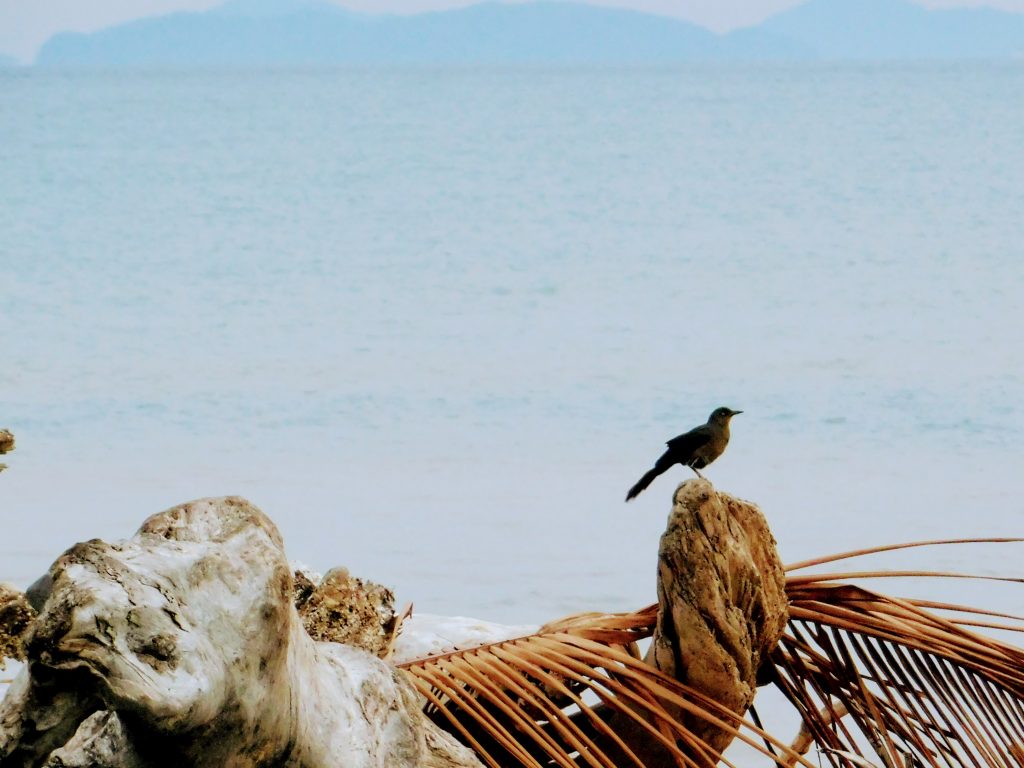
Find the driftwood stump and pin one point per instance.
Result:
(722, 607)
(722, 596)
(182, 646)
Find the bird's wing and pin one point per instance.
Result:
(692, 440)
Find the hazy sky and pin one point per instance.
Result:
(26, 24)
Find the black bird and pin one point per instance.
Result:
(696, 449)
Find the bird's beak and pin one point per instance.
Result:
(733, 413)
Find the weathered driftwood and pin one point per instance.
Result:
(344, 609)
(722, 606)
(722, 595)
(182, 646)
(15, 615)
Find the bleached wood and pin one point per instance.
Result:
(181, 646)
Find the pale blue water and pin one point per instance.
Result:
(436, 323)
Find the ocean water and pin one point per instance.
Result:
(436, 322)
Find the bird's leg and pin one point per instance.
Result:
(697, 472)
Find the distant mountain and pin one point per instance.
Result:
(318, 33)
(247, 33)
(895, 29)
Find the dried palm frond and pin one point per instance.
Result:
(918, 687)
(877, 680)
(573, 694)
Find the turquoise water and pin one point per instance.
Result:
(436, 323)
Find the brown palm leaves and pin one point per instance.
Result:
(877, 680)
(573, 694)
(900, 682)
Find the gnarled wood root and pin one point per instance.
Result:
(182, 646)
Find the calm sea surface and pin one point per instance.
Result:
(435, 323)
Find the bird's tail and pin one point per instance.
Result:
(660, 466)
